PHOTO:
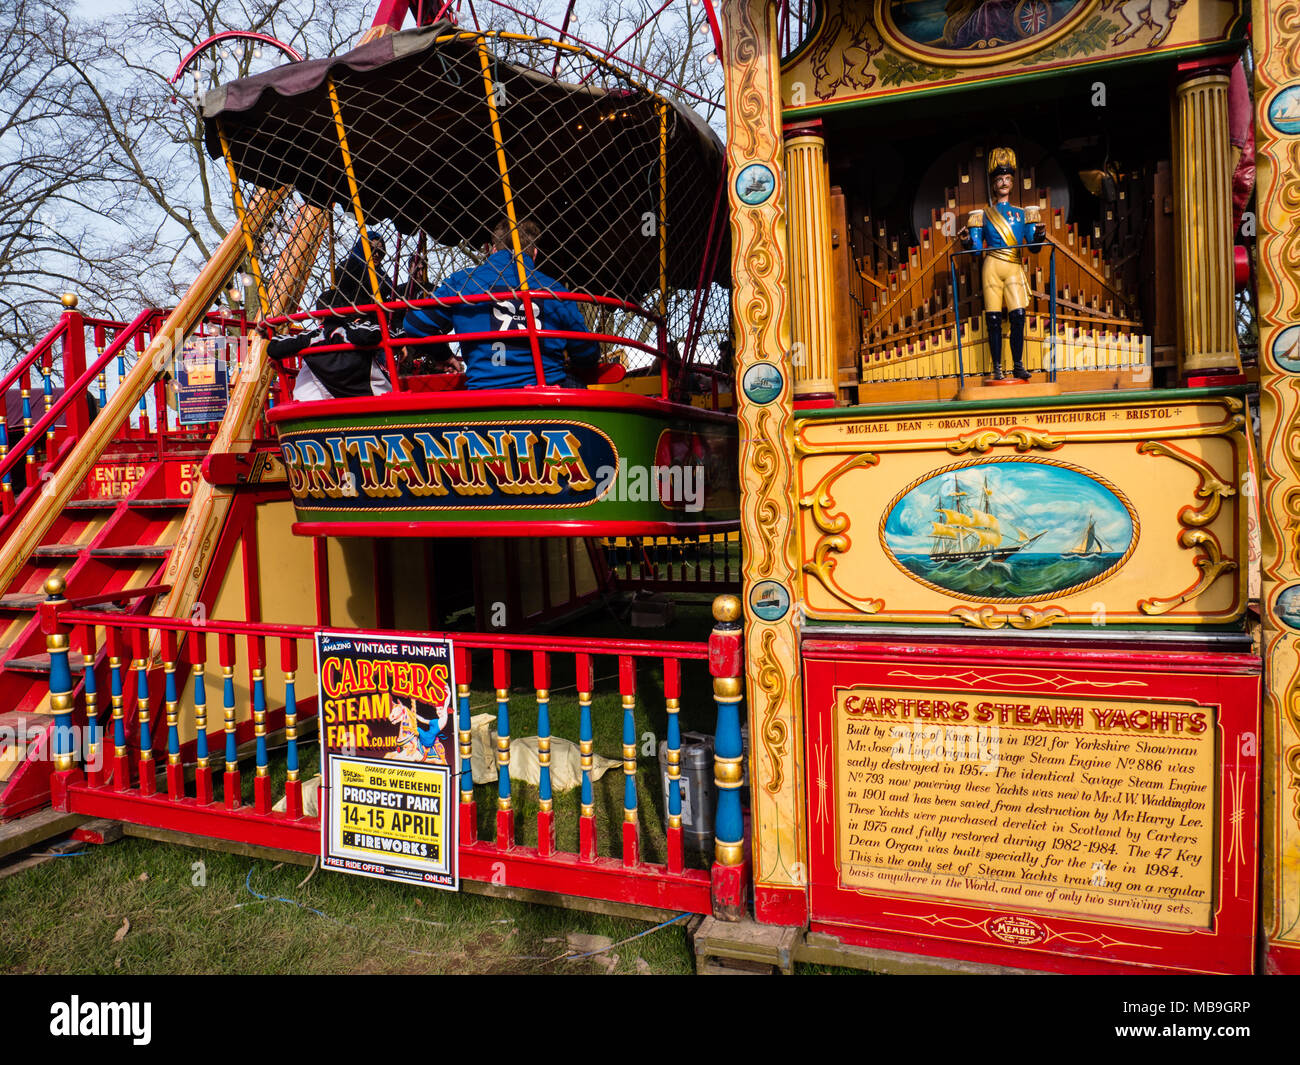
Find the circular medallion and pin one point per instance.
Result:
(1288, 606)
(1286, 349)
(755, 184)
(1284, 111)
(762, 383)
(769, 600)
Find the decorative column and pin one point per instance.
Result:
(61, 697)
(812, 317)
(1277, 139)
(729, 874)
(771, 566)
(1204, 194)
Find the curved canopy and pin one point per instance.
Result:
(582, 150)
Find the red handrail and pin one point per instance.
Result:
(42, 347)
(482, 640)
(70, 393)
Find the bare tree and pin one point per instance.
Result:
(107, 187)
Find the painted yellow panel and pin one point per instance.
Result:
(1039, 804)
(865, 49)
(1114, 513)
(352, 582)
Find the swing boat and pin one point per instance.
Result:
(426, 138)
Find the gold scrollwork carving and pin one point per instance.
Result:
(1211, 563)
(833, 528)
(987, 617)
(1212, 488)
(1293, 764)
(771, 682)
(1021, 439)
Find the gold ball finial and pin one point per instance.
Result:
(69, 300)
(726, 608)
(55, 586)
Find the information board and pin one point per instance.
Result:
(386, 720)
(202, 381)
(1057, 810)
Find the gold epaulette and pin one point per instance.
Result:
(976, 219)
(1034, 215)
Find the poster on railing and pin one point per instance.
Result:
(386, 720)
(202, 381)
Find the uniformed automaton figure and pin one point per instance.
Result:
(999, 230)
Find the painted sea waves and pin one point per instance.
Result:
(1010, 529)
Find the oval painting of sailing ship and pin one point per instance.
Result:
(976, 32)
(1010, 530)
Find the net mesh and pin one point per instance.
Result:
(401, 158)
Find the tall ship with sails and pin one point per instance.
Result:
(973, 533)
(1090, 544)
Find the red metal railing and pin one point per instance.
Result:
(147, 664)
(62, 419)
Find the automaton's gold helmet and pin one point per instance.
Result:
(1002, 161)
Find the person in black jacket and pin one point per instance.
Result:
(334, 374)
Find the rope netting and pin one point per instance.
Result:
(502, 193)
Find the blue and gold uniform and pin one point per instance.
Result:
(999, 230)
(1005, 285)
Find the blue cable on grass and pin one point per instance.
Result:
(248, 883)
(590, 953)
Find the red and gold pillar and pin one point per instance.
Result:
(757, 199)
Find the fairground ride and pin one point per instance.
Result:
(1011, 245)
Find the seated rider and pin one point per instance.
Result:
(334, 374)
(506, 363)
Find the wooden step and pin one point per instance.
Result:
(58, 551)
(132, 551)
(21, 601)
(142, 504)
(39, 665)
(92, 504)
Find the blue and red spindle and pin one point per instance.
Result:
(121, 759)
(47, 390)
(292, 783)
(725, 659)
(468, 807)
(262, 773)
(171, 698)
(139, 354)
(121, 367)
(101, 336)
(203, 768)
(6, 484)
(140, 663)
(94, 742)
(631, 820)
(25, 387)
(585, 677)
(545, 802)
(673, 704)
(230, 785)
(61, 702)
(505, 807)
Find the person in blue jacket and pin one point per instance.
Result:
(507, 363)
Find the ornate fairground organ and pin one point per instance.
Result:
(997, 329)
(981, 330)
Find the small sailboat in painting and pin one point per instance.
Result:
(970, 533)
(1090, 545)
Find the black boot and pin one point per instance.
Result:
(1018, 345)
(993, 320)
